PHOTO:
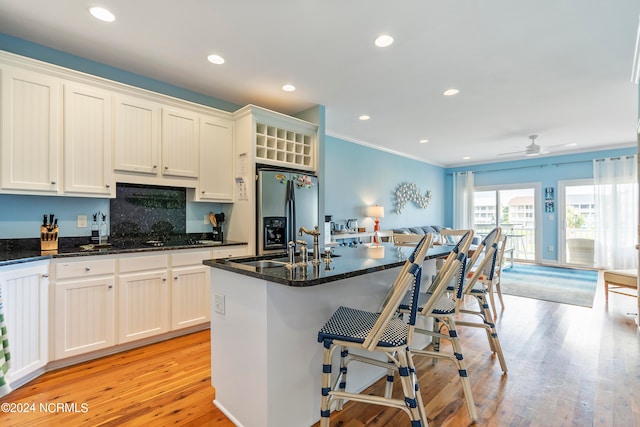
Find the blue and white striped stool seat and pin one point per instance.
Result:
(352, 325)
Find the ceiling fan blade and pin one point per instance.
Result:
(511, 152)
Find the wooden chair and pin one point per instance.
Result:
(614, 280)
(493, 283)
(440, 302)
(490, 275)
(380, 332)
(484, 261)
(400, 239)
(452, 236)
(502, 244)
(385, 235)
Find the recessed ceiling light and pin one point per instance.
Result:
(423, 141)
(450, 92)
(364, 117)
(572, 144)
(384, 41)
(102, 14)
(216, 59)
(288, 88)
(466, 157)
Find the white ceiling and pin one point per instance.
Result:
(557, 68)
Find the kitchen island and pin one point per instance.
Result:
(266, 362)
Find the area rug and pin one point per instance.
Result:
(563, 285)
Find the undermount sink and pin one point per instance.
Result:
(265, 263)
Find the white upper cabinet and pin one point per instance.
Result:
(216, 159)
(137, 136)
(87, 141)
(30, 135)
(180, 143)
(277, 139)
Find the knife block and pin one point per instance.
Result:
(48, 239)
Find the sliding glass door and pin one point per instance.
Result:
(514, 209)
(577, 221)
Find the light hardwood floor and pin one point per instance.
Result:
(568, 366)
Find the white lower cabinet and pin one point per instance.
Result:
(84, 306)
(100, 302)
(143, 297)
(25, 301)
(190, 302)
(231, 251)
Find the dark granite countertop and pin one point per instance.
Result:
(16, 251)
(347, 262)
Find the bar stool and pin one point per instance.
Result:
(384, 332)
(442, 308)
(487, 252)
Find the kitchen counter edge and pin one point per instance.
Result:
(22, 257)
(234, 265)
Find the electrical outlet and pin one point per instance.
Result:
(218, 302)
(206, 219)
(81, 221)
(551, 248)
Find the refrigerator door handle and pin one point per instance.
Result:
(291, 212)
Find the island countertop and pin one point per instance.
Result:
(346, 262)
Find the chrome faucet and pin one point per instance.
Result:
(315, 233)
(292, 254)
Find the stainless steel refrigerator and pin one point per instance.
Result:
(286, 201)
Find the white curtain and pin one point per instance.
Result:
(463, 200)
(616, 205)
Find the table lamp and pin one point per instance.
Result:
(376, 211)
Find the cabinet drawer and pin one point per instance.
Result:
(188, 257)
(231, 251)
(88, 267)
(140, 263)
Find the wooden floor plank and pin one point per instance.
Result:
(568, 366)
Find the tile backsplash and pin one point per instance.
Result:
(147, 212)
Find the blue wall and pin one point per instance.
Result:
(357, 176)
(547, 171)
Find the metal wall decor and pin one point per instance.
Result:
(410, 192)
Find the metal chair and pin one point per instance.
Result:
(383, 332)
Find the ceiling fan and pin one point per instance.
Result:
(531, 150)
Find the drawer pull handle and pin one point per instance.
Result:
(87, 269)
(110, 286)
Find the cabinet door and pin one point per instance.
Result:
(87, 141)
(216, 159)
(137, 136)
(190, 302)
(180, 146)
(30, 138)
(25, 301)
(143, 305)
(84, 316)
